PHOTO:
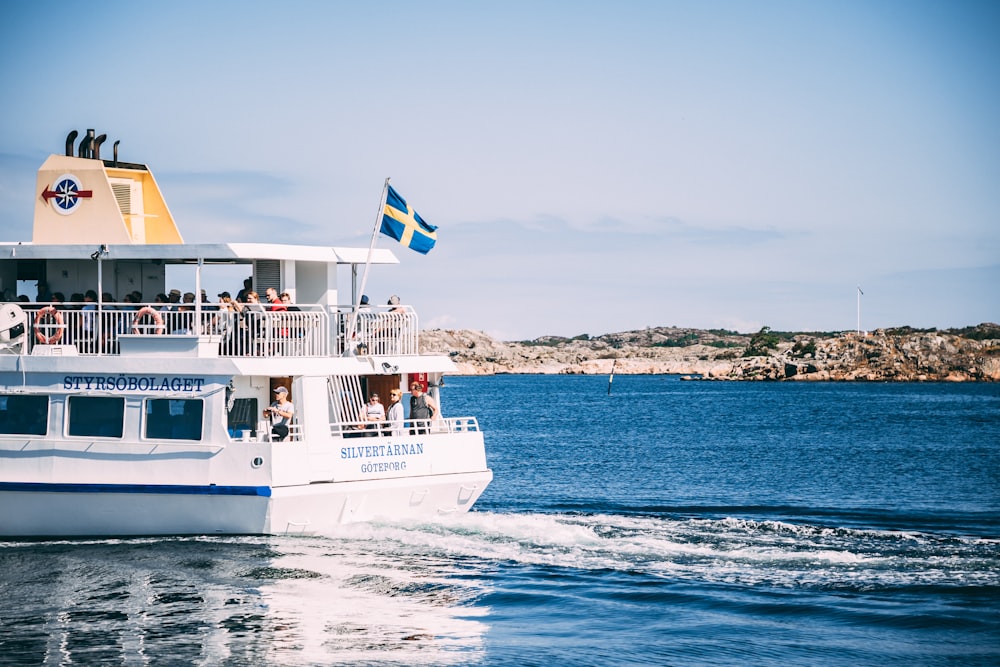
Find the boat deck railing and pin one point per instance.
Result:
(302, 331)
(361, 429)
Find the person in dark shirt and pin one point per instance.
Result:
(422, 409)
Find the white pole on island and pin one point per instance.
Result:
(860, 294)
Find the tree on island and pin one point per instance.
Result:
(761, 342)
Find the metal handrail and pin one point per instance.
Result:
(359, 429)
(306, 330)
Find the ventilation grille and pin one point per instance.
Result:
(267, 273)
(123, 195)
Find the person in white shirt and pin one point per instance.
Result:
(280, 412)
(374, 414)
(395, 414)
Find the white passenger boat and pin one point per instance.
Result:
(121, 418)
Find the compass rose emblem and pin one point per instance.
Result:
(65, 196)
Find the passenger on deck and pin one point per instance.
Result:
(88, 321)
(395, 415)
(422, 409)
(250, 323)
(387, 336)
(173, 299)
(223, 323)
(241, 296)
(44, 294)
(373, 414)
(183, 322)
(363, 326)
(253, 302)
(130, 305)
(274, 300)
(108, 334)
(280, 413)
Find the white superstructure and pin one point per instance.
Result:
(121, 418)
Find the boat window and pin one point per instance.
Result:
(100, 416)
(243, 415)
(24, 415)
(174, 418)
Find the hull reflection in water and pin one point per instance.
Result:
(238, 600)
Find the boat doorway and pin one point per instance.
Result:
(381, 385)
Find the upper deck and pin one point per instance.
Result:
(105, 244)
(304, 330)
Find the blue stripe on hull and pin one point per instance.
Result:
(213, 490)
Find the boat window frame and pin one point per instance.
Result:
(145, 420)
(71, 398)
(5, 399)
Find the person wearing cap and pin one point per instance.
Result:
(364, 325)
(280, 412)
(387, 336)
(171, 305)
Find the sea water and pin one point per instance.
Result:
(665, 523)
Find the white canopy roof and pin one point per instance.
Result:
(209, 252)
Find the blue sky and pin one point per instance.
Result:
(592, 166)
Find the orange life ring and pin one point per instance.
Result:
(143, 313)
(51, 319)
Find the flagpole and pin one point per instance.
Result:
(368, 262)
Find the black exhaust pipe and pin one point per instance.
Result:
(116, 151)
(97, 145)
(70, 138)
(86, 148)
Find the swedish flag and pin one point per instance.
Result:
(405, 225)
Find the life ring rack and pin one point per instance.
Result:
(139, 324)
(49, 325)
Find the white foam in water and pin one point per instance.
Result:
(730, 550)
(411, 593)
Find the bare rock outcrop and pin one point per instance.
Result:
(970, 354)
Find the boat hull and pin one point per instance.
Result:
(94, 510)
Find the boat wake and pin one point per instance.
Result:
(726, 550)
(429, 593)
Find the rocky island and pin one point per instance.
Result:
(903, 354)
